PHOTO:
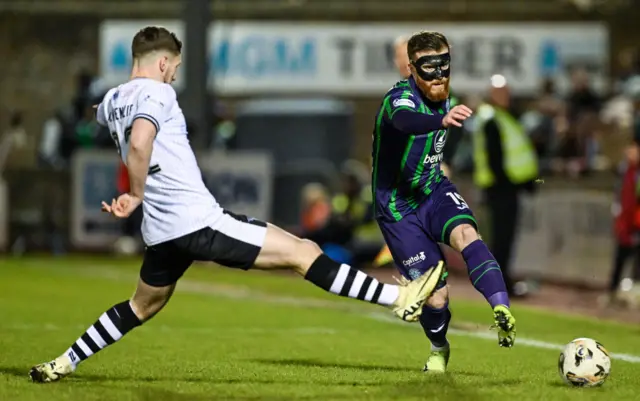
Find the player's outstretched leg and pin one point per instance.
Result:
(110, 327)
(486, 276)
(281, 248)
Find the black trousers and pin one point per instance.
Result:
(504, 207)
(622, 255)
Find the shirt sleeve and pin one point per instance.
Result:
(402, 112)
(101, 117)
(155, 104)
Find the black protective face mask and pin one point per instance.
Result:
(430, 68)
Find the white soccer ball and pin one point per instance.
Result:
(584, 363)
(126, 246)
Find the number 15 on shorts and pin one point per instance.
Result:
(458, 200)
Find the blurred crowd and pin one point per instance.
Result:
(342, 222)
(578, 133)
(74, 127)
(574, 133)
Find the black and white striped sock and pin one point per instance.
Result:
(109, 328)
(344, 280)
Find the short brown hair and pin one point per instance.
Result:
(426, 41)
(154, 38)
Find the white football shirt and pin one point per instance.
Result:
(176, 201)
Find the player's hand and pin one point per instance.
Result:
(456, 115)
(123, 206)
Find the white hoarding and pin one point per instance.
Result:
(247, 58)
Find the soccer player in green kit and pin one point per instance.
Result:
(416, 205)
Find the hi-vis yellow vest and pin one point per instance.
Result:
(519, 157)
(364, 231)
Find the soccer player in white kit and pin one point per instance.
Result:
(183, 222)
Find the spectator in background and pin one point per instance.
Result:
(83, 97)
(629, 67)
(224, 128)
(316, 207)
(460, 153)
(634, 94)
(50, 149)
(15, 138)
(367, 239)
(619, 115)
(343, 227)
(505, 165)
(348, 208)
(97, 92)
(68, 143)
(626, 212)
(543, 122)
(86, 129)
(582, 99)
(454, 137)
(330, 227)
(401, 57)
(579, 145)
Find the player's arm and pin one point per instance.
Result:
(143, 132)
(403, 114)
(153, 107)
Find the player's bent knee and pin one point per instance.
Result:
(307, 252)
(462, 236)
(284, 250)
(147, 301)
(439, 298)
(302, 254)
(308, 247)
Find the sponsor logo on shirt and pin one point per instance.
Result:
(404, 102)
(441, 139)
(414, 260)
(433, 159)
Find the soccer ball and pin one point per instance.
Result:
(126, 246)
(584, 363)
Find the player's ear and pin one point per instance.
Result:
(164, 62)
(412, 68)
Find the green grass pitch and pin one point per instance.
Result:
(232, 335)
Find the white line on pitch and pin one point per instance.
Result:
(492, 337)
